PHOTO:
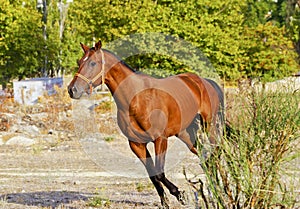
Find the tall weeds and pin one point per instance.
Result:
(251, 167)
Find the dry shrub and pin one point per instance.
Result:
(57, 106)
(252, 168)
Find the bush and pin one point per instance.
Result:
(250, 168)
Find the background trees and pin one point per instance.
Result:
(21, 40)
(248, 38)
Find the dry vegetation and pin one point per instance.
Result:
(257, 165)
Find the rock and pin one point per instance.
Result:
(69, 113)
(4, 122)
(49, 139)
(31, 130)
(20, 140)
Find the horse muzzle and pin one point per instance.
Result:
(73, 92)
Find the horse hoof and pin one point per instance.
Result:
(165, 206)
(164, 202)
(182, 198)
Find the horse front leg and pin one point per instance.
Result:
(141, 151)
(161, 145)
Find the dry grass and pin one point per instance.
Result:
(248, 168)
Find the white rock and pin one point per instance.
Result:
(49, 139)
(31, 130)
(20, 140)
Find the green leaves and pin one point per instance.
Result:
(21, 36)
(270, 52)
(238, 37)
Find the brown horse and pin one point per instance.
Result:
(151, 109)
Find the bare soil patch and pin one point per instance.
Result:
(65, 177)
(55, 171)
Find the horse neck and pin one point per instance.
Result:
(119, 80)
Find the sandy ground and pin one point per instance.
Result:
(65, 176)
(68, 168)
(68, 176)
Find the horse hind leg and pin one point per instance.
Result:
(203, 135)
(185, 137)
(190, 135)
(197, 137)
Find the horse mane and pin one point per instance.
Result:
(120, 60)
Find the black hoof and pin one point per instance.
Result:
(164, 202)
(182, 198)
(164, 206)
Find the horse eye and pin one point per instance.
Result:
(93, 64)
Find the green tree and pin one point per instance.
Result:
(231, 33)
(53, 24)
(211, 26)
(247, 38)
(293, 23)
(21, 39)
(31, 45)
(281, 13)
(263, 11)
(269, 53)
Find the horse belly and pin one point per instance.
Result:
(155, 112)
(163, 112)
(149, 113)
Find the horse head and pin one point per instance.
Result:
(90, 73)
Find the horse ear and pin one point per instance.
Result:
(98, 45)
(84, 47)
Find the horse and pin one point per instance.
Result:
(152, 109)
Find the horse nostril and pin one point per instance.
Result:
(70, 91)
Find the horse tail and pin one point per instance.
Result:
(230, 132)
(194, 126)
(221, 112)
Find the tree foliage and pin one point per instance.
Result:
(269, 52)
(240, 38)
(248, 38)
(21, 39)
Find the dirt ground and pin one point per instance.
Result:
(66, 177)
(65, 167)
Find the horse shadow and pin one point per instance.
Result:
(48, 199)
(61, 199)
